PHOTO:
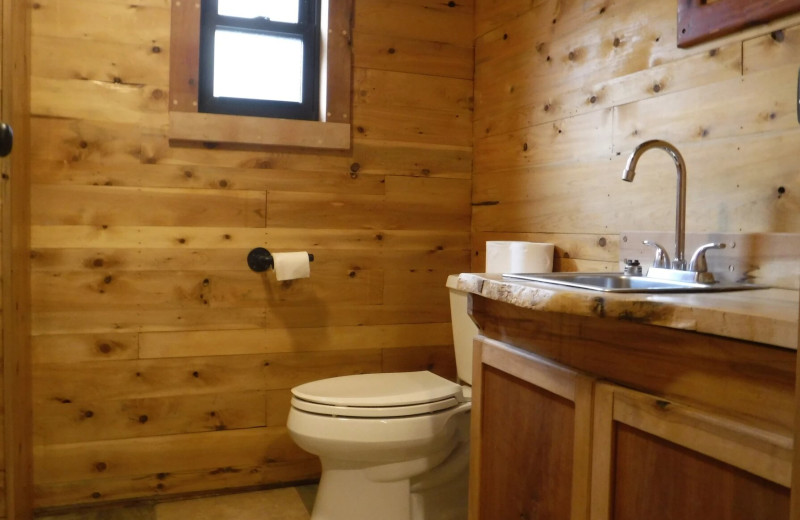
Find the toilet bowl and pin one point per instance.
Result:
(393, 446)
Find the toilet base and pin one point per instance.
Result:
(357, 493)
(348, 494)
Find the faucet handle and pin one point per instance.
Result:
(698, 262)
(662, 257)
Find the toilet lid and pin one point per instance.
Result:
(397, 389)
(374, 412)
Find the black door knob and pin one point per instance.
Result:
(6, 139)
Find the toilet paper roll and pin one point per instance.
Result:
(506, 256)
(290, 266)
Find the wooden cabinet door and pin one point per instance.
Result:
(660, 460)
(531, 437)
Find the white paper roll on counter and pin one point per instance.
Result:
(508, 256)
(291, 266)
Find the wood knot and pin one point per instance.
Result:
(662, 404)
(599, 307)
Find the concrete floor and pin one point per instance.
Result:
(292, 503)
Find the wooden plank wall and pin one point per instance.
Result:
(161, 363)
(565, 89)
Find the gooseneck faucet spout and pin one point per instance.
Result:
(679, 259)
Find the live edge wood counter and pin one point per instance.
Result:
(596, 405)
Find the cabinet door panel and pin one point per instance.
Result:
(529, 459)
(659, 480)
(531, 444)
(660, 460)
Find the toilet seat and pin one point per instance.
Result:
(384, 395)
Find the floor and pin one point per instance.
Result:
(292, 503)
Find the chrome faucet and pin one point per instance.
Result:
(662, 268)
(679, 259)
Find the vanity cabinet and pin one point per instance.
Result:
(576, 417)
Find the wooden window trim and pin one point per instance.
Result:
(187, 124)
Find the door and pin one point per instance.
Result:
(16, 463)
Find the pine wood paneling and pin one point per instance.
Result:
(99, 470)
(431, 58)
(162, 364)
(609, 75)
(146, 63)
(84, 420)
(105, 206)
(421, 19)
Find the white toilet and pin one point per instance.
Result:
(393, 446)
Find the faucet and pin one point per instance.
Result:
(677, 270)
(679, 259)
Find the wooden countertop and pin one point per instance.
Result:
(766, 316)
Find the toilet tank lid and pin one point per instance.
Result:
(389, 389)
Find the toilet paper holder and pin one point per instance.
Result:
(260, 259)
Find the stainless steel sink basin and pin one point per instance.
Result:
(620, 282)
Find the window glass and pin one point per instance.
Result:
(275, 10)
(256, 66)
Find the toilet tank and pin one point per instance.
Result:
(464, 329)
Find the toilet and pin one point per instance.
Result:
(393, 446)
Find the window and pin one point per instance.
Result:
(260, 58)
(191, 119)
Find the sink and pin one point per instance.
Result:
(620, 282)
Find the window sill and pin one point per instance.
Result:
(218, 128)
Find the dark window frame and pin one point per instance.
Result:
(307, 29)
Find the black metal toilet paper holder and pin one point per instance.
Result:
(260, 260)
